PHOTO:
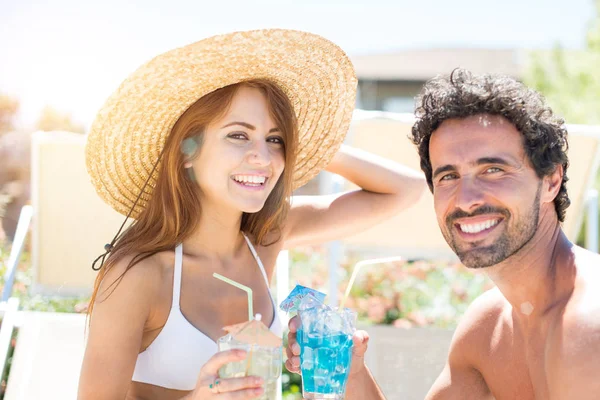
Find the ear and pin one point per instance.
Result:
(187, 165)
(552, 184)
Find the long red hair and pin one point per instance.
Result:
(173, 211)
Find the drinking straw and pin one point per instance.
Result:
(239, 286)
(357, 267)
(258, 317)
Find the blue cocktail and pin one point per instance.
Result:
(325, 340)
(325, 363)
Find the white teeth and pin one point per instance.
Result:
(476, 228)
(250, 179)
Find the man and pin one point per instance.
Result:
(494, 156)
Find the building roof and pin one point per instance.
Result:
(423, 64)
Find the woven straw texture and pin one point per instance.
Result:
(128, 134)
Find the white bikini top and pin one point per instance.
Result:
(174, 359)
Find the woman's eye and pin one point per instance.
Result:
(276, 140)
(237, 136)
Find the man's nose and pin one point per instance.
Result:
(469, 195)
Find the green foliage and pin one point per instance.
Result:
(570, 80)
(22, 288)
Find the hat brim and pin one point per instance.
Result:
(129, 132)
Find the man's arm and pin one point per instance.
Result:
(460, 378)
(362, 386)
(459, 381)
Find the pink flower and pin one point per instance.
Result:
(418, 318)
(420, 274)
(81, 307)
(376, 309)
(350, 302)
(403, 323)
(459, 291)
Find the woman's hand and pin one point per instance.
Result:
(210, 386)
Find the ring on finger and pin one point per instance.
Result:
(214, 387)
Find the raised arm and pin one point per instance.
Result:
(386, 188)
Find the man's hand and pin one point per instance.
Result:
(360, 339)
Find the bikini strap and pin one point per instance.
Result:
(177, 275)
(257, 258)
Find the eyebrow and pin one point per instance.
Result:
(480, 161)
(246, 125)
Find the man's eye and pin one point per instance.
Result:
(448, 177)
(492, 170)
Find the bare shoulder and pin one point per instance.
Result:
(462, 377)
(588, 271)
(484, 312)
(124, 305)
(477, 326)
(145, 274)
(582, 310)
(573, 346)
(139, 287)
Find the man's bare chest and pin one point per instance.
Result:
(514, 368)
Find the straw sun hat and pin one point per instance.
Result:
(126, 139)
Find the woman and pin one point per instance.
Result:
(203, 146)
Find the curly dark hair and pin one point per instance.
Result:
(463, 94)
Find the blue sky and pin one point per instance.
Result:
(72, 54)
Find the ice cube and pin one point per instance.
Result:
(334, 341)
(308, 364)
(307, 358)
(308, 352)
(315, 338)
(320, 327)
(334, 322)
(320, 383)
(291, 303)
(349, 318)
(307, 322)
(308, 302)
(323, 356)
